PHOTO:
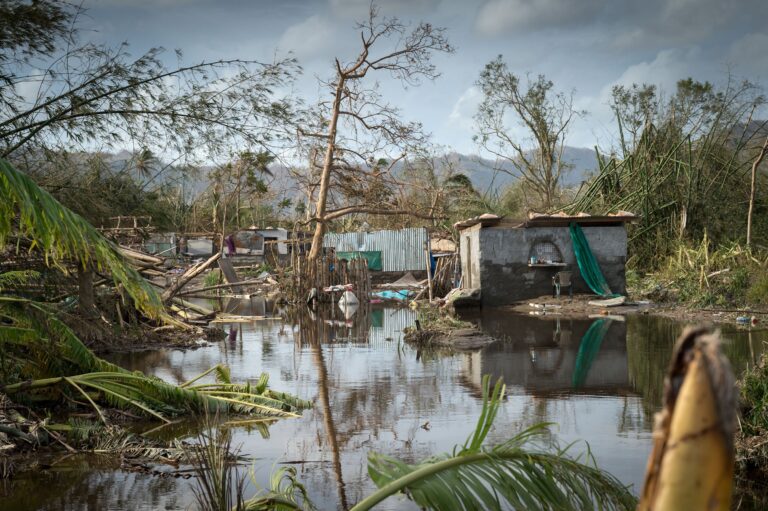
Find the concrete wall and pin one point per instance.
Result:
(503, 256)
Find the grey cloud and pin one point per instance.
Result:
(358, 9)
(313, 37)
(499, 16)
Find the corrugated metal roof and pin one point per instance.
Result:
(401, 250)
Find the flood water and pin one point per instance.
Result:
(596, 380)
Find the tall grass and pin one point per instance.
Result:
(685, 173)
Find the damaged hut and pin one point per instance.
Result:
(512, 260)
(390, 254)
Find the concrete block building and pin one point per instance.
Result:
(513, 260)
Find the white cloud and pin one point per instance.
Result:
(664, 70)
(312, 37)
(499, 16)
(465, 108)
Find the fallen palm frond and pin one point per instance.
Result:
(40, 354)
(11, 279)
(285, 493)
(517, 474)
(63, 236)
(692, 462)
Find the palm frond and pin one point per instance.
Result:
(223, 374)
(286, 493)
(518, 473)
(52, 355)
(63, 235)
(15, 278)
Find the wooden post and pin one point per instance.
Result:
(429, 271)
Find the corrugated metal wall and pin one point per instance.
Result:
(401, 250)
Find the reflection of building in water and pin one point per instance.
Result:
(250, 306)
(552, 355)
(387, 325)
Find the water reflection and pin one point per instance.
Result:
(551, 356)
(598, 380)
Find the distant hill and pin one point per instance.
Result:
(485, 174)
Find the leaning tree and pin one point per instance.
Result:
(363, 136)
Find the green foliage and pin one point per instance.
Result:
(218, 487)
(433, 318)
(41, 354)
(516, 473)
(704, 276)
(286, 493)
(757, 292)
(29, 28)
(754, 400)
(682, 167)
(212, 278)
(62, 236)
(11, 279)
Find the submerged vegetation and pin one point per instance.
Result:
(519, 472)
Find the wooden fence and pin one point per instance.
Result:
(302, 275)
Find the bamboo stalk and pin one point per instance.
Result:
(219, 286)
(756, 164)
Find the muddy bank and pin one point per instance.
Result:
(460, 339)
(580, 307)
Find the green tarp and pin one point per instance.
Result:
(374, 258)
(588, 266)
(588, 349)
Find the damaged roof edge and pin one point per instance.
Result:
(542, 220)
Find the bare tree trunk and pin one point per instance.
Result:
(86, 295)
(325, 177)
(756, 164)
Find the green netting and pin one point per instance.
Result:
(374, 258)
(588, 266)
(588, 349)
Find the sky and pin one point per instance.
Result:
(583, 46)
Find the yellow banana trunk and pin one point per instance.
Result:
(691, 465)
